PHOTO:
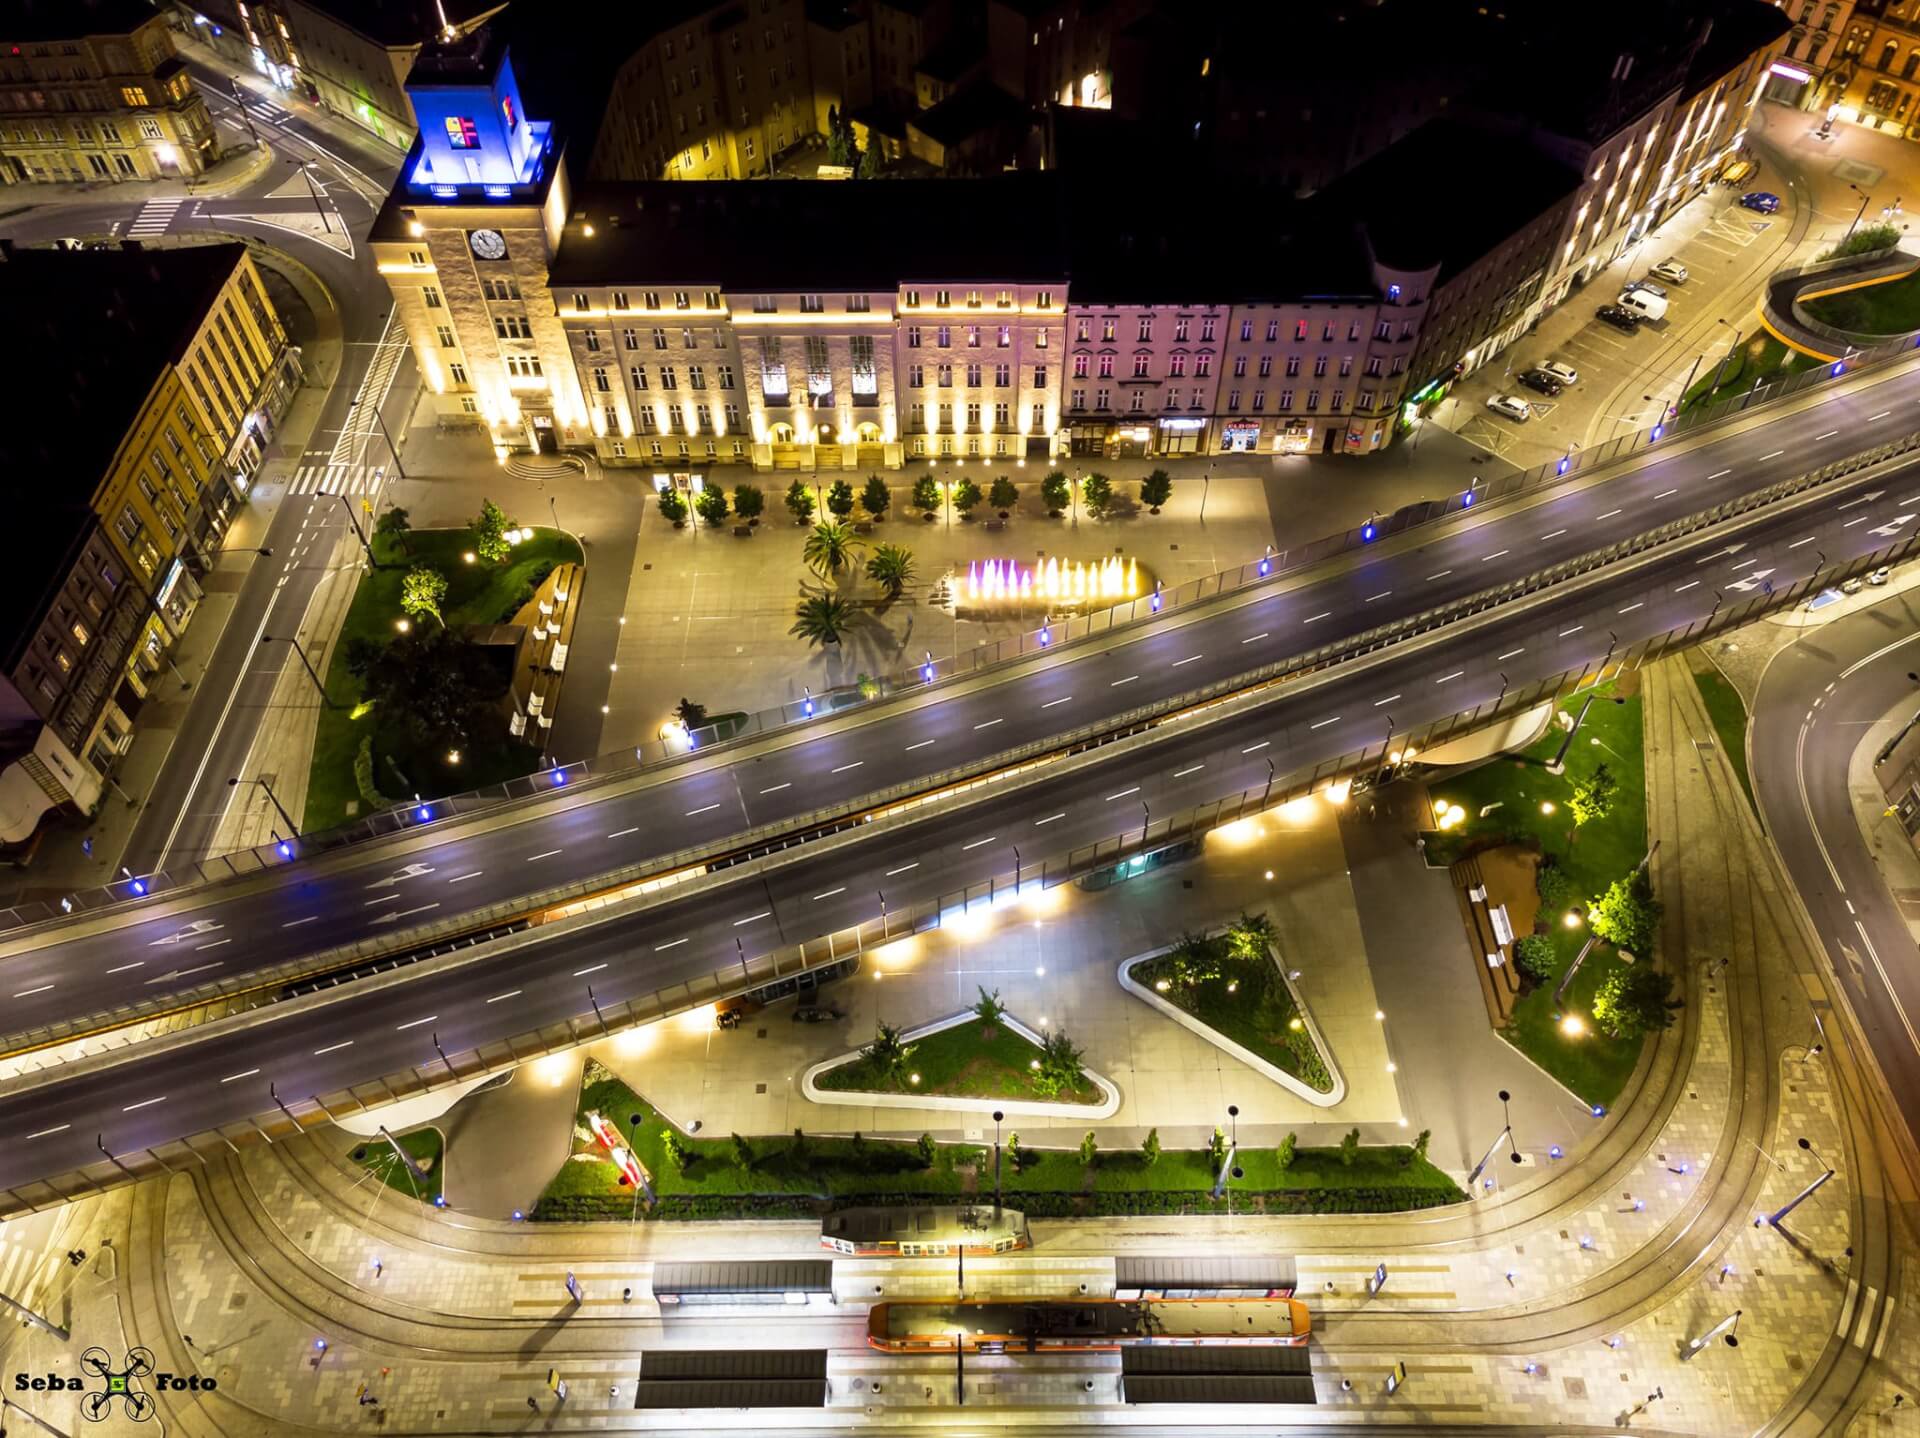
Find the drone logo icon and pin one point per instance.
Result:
(98, 1403)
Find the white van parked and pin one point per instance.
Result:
(1644, 302)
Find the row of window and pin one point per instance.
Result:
(973, 334)
(974, 374)
(1109, 327)
(1085, 365)
(918, 413)
(1102, 400)
(667, 377)
(649, 300)
(943, 299)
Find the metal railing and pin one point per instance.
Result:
(669, 870)
(1372, 764)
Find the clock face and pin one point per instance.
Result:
(487, 244)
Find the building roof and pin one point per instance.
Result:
(975, 109)
(956, 54)
(37, 20)
(99, 326)
(398, 24)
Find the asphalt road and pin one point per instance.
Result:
(150, 1098)
(1817, 701)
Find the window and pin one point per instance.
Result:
(459, 373)
(943, 336)
(973, 337)
(523, 366)
(1177, 364)
(469, 404)
(1107, 328)
(1106, 366)
(652, 298)
(713, 299)
(943, 298)
(667, 380)
(1346, 365)
(912, 300)
(1005, 336)
(417, 257)
(638, 374)
(1319, 365)
(630, 338)
(1383, 330)
(812, 305)
(1202, 366)
(696, 377)
(1137, 401)
(500, 289)
(732, 412)
(1293, 366)
(511, 327)
(1100, 399)
(725, 376)
(1313, 399)
(1080, 363)
(1239, 366)
(592, 338)
(1246, 329)
(1079, 399)
(1146, 328)
(1273, 331)
(1366, 399)
(1037, 417)
(1339, 400)
(1266, 365)
(973, 374)
(1206, 330)
(1180, 330)
(1002, 376)
(1040, 339)
(1299, 329)
(1233, 399)
(1141, 360)
(859, 304)
(659, 339)
(581, 303)
(1373, 367)
(913, 337)
(1353, 330)
(1326, 330)
(1082, 331)
(1039, 376)
(973, 416)
(680, 300)
(431, 296)
(944, 376)
(687, 340)
(445, 332)
(600, 382)
(917, 376)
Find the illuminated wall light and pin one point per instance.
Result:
(758, 421)
(662, 417)
(690, 413)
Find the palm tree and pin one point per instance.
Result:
(891, 567)
(830, 548)
(820, 618)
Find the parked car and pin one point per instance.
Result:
(1620, 317)
(1560, 370)
(1645, 287)
(1853, 586)
(1647, 306)
(1880, 575)
(1511, 406)
(1670, 270)
(1765, 201)
(1538, 379)
(1738, 170)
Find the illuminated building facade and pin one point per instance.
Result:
(1879, 66)
(158, 380)
(91, 90)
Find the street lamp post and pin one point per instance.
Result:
(1206, 487)
(1694, 1346)
(1865, 200)
(1720, 375)
(359, 533)
(997, 1116)
(306, 171)
(1806, 1193)
(1504, 1136)
(285, 817)
(306, 664)
(385, 434)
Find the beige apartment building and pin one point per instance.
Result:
(91, 90)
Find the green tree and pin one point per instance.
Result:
(689, 713)
(926, 495)
(711, 504)
(927, 1149)
(840, 499)
(1150, 1147)
(1097, 493)
(1250, 938)
(1217, 1149)
(1056, 492)
(1195, 960)
(676, 1152)
(821, 618)
(891, 567)
(1003, 495)
(1013, 1152)
(489, 533)
(838, 144)
(830, 549)
(875, 497)
(673, 507)
(1088, 1147)
(1633, 1000)
(421, 592)
(742, 1153)
(394, 525)
(749, 500)
(1556, 886)
(888, 1056)
(798, 1150)
(1060, 1065)
(1155, 489)
(1350, 1147)
(799, 501)
(1593, 796)
(1420, 1144)
(858, 1144)
(1283, 1155)
(1533, 955)
(966, 495)
(869, 167)
(437, 687)
(1627, 915)
(988, 1007)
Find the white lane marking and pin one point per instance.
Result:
(1381, 595)
(1314, 619)
(1765, 457)
(1049, 819)
(394, 914)
(1685, 587)
(1882, 415)
(1608, 515)
(333, 1048)
(182, 973)
(844, 767)
(1860, 499)
(1665, 492)
(509, 994)
(57, 1128)
(1575, 630)
(144, 1103)
(383, 899)
(703, 809)
(1051, 702)
(1860, 519)
(1552, 534)
(921, 745)
(1252, 747)
(1637, 604)
(1441, 575)
(1495, 555)
(750, 918)
(590, 969)
(1511, 652)
(1720, 474)
(1828, 435)
(310, 918)
(978, 842)
(1324, 722)
(1118, 682)
(1798, 542)
(670, 944)
(414, 1023)
(1191, 657)
(1190, 769)
(829, 893)
(547, 854)
(214, 945)
(1444, 678)
(124, 967)
(902, 869)
(775, 789)
(1122, 794)
(232, 1078)
(29, 993)
(989, 723)
(1388, 700)
(622, 833)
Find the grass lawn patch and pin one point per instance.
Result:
(1241, 996)
(426, 1146)
(1513, 791)
(1891, 308)
(969, 1060)
(1729, 714)
(478, 593)
(807, 1177)
(1760, 357)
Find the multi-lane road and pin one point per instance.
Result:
(51, 1124)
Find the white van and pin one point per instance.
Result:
(1642, 302)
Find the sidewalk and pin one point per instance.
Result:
(240, 166)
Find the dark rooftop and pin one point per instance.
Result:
(399, 23)
(36, 20)
(976, 108)
(958, 53)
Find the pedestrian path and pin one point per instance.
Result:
(154, 218)
(337, 479)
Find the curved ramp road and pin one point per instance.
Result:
(64, 973)
(51, 1127)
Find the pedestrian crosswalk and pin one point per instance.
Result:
(337, 479)
(22, 1269)
(154, 217)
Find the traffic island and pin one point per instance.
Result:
(1231, 988)
(1584, 828)
(977, 1061)
(630, 1162)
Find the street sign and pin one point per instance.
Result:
(1396, 1376)
(554, 1380)
(573, 1287)
(1379, 1279)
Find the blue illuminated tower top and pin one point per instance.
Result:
(475, 136)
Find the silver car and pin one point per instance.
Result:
(1510, 406)
(1560, 370)
(1670, 270)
